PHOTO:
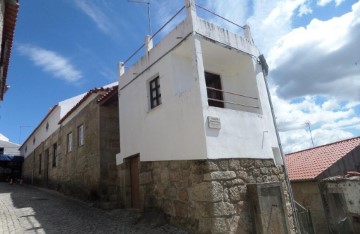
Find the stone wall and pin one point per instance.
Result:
(109, 147)
(89, 170)
(205, 196)
(340, 196)
(307, 193)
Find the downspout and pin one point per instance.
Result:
(264, 67)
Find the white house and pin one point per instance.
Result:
(167, 106)
(195, 120)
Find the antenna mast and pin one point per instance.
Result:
(308, 124)
(148, 11)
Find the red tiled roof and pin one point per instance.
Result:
(109, 94)
(308, 164)
(10, 14)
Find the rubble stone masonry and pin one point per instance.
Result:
(87, 172)
(204, 196)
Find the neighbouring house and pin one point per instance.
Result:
(8, 14)
(307, 167)
(197, 134)
(73, 149)
(10, 159)
(341, 198)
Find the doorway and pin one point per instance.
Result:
(134, 180)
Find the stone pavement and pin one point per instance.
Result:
(27, 209)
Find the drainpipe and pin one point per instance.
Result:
(292, 200)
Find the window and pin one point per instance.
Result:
(1, 150)
(81, 135)
(40, 157)
(155, 95)
(214, 90)
(54, 155)
(69, 142)
(34, 140)
(47, 126)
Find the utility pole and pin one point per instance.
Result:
(308, 124)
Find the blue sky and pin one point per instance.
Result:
(66, 47)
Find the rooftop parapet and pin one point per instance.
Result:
(191, 25)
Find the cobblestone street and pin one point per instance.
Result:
(27, 209)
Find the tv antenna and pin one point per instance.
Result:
(148, 11)
(308, 124)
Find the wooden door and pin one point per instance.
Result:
(134, 178)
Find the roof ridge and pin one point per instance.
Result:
(86, 96)
(321, 146)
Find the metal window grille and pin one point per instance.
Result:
(155, 94)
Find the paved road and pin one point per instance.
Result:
(27, 209)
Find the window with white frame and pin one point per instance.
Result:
(80, 135)
(69, 142)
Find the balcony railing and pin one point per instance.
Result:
(234, 94)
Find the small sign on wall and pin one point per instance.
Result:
(214, 122)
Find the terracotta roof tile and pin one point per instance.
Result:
(92, 91)
(112, 91)
(308, 164)
(10, 15)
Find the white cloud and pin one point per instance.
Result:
(330, 121)
(320, 59)
(326, 2)
(301, 139)
(96, 15)
(51, 62)
(235, 11)
(338, 2)
(304, 10)
(271, 20)
(323, 2)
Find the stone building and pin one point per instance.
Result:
(8, 14)
(73, 149)
(340, 195)
(308, 167)
(197, 134)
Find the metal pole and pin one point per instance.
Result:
(309, 124)
(292, 200)
(148, 4)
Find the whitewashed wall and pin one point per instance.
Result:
(178, 128)
(171, 131)
(40, 133)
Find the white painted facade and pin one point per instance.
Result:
(52, 119)
(8, 147)
(178, 129)
(41, 132)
